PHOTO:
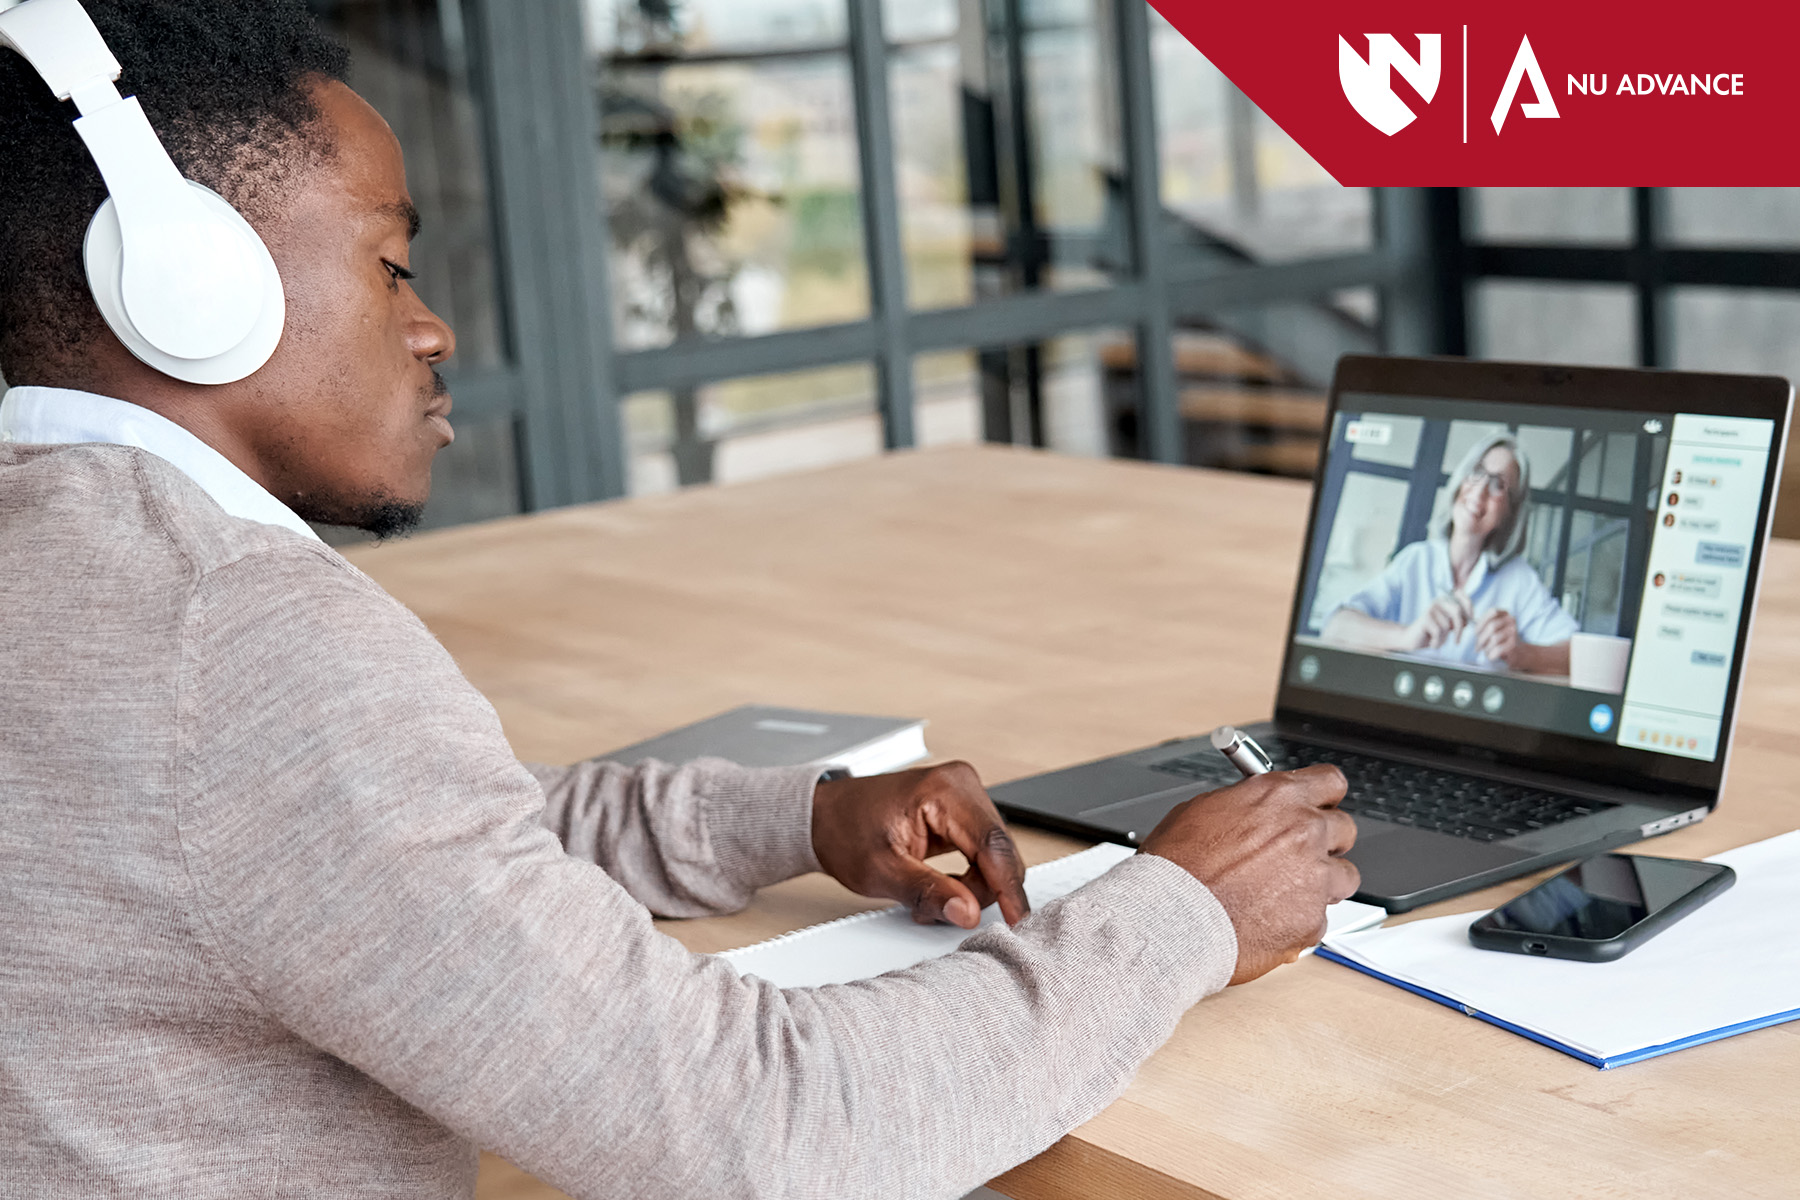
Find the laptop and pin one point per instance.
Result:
(1577, 688)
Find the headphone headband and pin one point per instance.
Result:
(180, 277)
(60, 40)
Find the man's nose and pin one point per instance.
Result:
(431, 339)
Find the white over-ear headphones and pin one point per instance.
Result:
(178, 273)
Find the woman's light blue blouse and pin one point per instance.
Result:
(1421, 572)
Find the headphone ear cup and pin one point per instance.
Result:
(103, 254)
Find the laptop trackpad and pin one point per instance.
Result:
(1395, 860)
(1135, 820)
(1398, 860)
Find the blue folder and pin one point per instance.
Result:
(1616, 1060)
(1730, 967)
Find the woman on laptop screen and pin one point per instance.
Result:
(1464, 593)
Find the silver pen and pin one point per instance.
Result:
(1242, 750)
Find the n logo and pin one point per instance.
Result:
(1525, 63)
(1366, 84)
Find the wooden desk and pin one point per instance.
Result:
(1043, 610)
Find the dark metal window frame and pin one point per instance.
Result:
(563, 387)
(1649, 264)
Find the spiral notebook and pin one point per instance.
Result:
(872, 943)
(1730, 967)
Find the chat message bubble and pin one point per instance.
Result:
(1706, 658)
(1719, 554)
(1669, 632)
(1694, 612)
(1699, 525)
(1704, 586)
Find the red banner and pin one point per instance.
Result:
(1519, 92)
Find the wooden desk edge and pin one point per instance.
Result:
(1076, 1170)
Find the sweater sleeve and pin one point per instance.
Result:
(684, 841)
(370, 861)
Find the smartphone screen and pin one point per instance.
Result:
(1603, 897)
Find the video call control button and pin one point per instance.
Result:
(1434, 688)
(1492, 699)
(1404, 684)
(1309, 668)
(1464, 695)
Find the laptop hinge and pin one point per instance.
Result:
(1674, 822)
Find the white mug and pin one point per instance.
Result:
(1597, 662)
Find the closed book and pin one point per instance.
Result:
(759, 735)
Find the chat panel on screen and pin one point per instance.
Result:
(1697, 577)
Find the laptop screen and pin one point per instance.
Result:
(1563, 580)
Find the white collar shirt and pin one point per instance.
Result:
(62, 416)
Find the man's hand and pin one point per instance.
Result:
(1270, 848)
(1442, 622)
(872, 835)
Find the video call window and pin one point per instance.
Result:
(1582, 520)
(1490, 564)
(1578, 571)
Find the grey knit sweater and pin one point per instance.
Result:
(281, 914)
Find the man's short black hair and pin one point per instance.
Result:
(225, 85)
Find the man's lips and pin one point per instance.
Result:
(438, 411)
(439, 414)
(439, 391)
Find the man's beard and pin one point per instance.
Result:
(379, 514)
(388, 518)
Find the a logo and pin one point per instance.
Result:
(1524, 63)
(1367, 87)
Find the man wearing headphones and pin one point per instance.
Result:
(282, 913)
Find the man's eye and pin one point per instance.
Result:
(397, 271)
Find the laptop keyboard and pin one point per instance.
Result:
(1468, 806)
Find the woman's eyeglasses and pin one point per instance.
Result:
(1494, 485)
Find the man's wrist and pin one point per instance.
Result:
(760, 821)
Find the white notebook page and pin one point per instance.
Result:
(868, 944)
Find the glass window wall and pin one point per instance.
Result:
(1579, 323)
(729, 167)
(1732, 216)
(1550, 215)
(947, 404)
(1006, 136)
(741, 429)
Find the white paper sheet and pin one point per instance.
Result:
(1735, 960)
(872, 943)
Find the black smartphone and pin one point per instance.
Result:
(1602, 908)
